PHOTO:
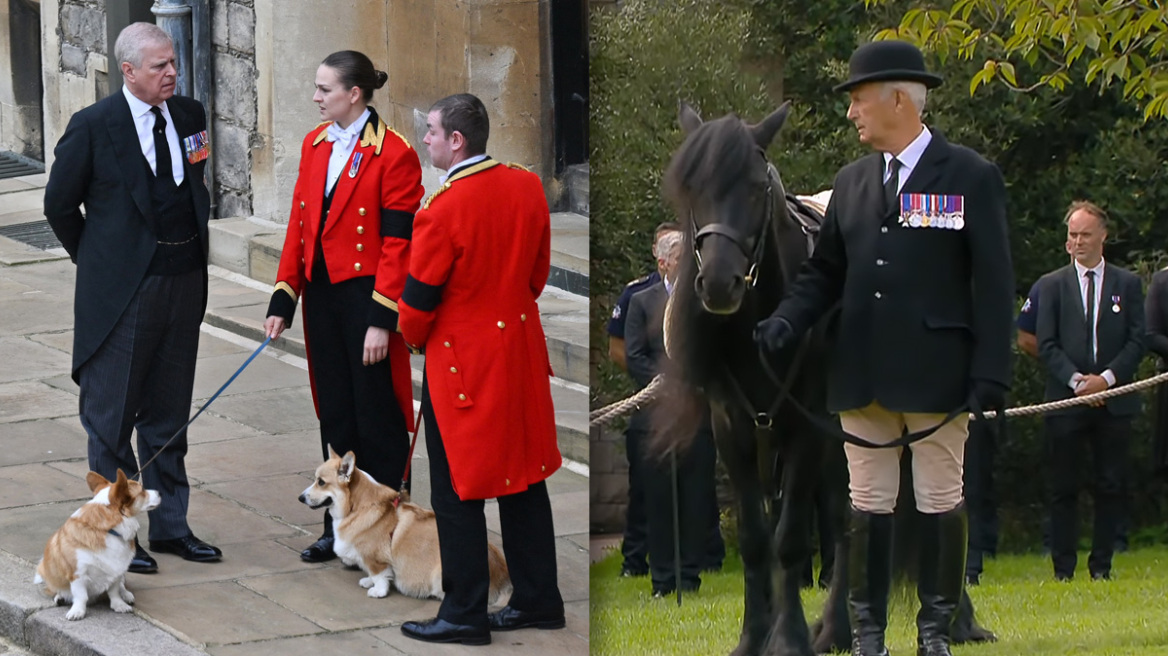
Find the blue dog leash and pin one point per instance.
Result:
(211, 400)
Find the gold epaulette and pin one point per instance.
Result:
(323, 133)
(434, 195)
(513, 165)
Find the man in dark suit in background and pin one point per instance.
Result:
(135, 160)
(914, 247)
(1090, 338)
(645, 348)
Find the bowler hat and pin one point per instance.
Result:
(888, 61)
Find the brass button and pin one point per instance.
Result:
(301, 242)
(360, 230)
(502, 325)
(357, 266)
(302, 260)
(543, 467)
(301, 224)
(360, 247)
(523, 317)
(446, 344)
(301, 204)
(453, 370)
(361, 211)
(506, 481)
(461, 397)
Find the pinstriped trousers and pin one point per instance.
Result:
(142, 377)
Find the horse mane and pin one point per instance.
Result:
(714, 157)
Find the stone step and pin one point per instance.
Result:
(238, 305)
(576, 180)
(569, 269)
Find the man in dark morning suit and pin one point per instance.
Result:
(1090, 337)
(481, 256)
(645, 353)
(135, 160)
(914, 246)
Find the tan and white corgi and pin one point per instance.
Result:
(91, 553)
(389, 543)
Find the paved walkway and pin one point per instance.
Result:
(250, 455)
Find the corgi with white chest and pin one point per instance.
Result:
(390, 541)
(91, 553)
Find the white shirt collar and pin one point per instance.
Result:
(911, 155)
(1098, 269)
(461, 165)
(139, 107)
(353, 127)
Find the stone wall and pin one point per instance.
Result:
(234, 122)
(608, 472)
(73, 53)
(20, 81)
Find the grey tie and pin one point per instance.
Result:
(1091, 316)
(891, 184)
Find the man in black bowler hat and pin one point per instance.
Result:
(914, 246)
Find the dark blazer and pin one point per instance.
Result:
(1062, 333)
(645, 341)
(1156, 315)
(99, 163)
(924, 310)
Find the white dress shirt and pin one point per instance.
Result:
(909, 157)
(144, 124)
(1081, 270)
(470, 161)
(344, 140)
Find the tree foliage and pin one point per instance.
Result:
(1100, 42)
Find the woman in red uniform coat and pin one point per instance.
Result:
(347, 251)
(482, 254)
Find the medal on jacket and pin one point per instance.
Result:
(1115, 304)
(356, 163)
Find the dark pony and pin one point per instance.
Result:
(747, 244)
(747, 239)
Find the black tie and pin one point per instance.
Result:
(891, 184)
(161, 148)
(1091, 316)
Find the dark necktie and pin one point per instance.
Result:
(161, 148)
(891, 184)
(1091, 316)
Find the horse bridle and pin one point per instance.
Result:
(755, 256)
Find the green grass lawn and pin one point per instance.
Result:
(1018, 599)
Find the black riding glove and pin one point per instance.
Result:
(989, 394)
(774, 334)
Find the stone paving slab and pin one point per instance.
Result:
(13, 253)
(222, 612)
(273, 496)
(27, 485)
(354, 642)
(24, 359)
(39, 440)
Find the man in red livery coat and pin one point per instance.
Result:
(481, 254)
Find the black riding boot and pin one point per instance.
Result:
(869, 580)
(942, 578)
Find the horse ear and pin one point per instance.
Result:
(688, 118)
(764, 132)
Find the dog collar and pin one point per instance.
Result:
(116, 534)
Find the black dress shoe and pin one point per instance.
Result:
(189, 547)
(319, 551)
(510, 619)
(143, 563)
(439, 630)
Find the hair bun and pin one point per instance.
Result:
(381, 77)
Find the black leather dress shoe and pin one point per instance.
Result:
(189, 547)
(143, 563)
(510, 619)
(319, 551)
(439, 630)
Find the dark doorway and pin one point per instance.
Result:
(24, 34)
(119, 14)
(569, 20)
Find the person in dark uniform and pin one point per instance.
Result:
(1090, 337)
(136, 161)
(1156, 313)
(914, 247)
(695, 469)
(347, 251)
(470, 304)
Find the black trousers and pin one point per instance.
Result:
(1068, 437)
(143, 377)
(635, 546)
(695, 496)
(528, 541)
(356, 405)
(981, 502)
